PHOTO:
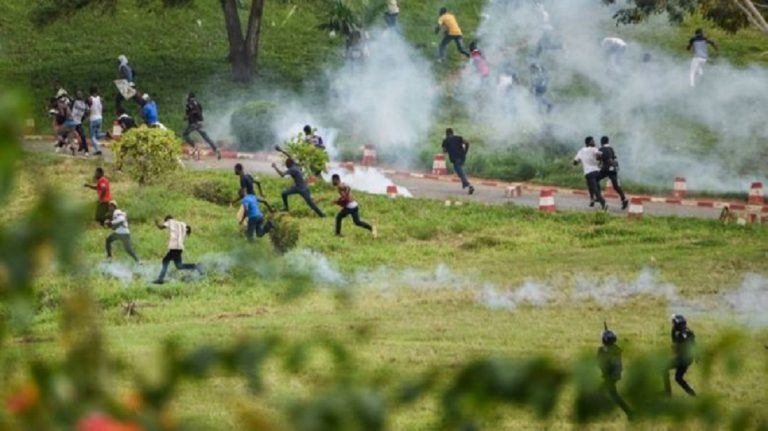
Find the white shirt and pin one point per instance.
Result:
(95, 108)
(178, 232)
(120, 222)
(392, 7)
(588, 158)
(613, 42)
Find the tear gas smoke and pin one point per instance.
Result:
(366, 179)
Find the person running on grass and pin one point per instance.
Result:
(194, 116)
(96, 109)
(609, 360)
(699, 44)
(105, 197)
(446, 20)
(119, 225)
(178, 232)
(609, 168)
(348, 207)
(299, 186)
(457, 149)
(246, 183)
(252, 213)
(588, 157)
(683, 346)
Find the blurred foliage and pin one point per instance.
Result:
(216, 191)
(148, 154)
(80, 390)
(251, 124)
(285, 232)
(311, 159)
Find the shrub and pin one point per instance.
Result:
(252, 125)
(217, 192)
(311, 159)
(285, 233)
(148, 154)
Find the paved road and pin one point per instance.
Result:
(445, 190)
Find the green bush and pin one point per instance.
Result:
(252, 125)
(148, 154)
(311, 159)
(284, 234)
(216, 191)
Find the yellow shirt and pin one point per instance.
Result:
(448, 21)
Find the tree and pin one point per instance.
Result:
(243, 47)
(729, 15)
(349, 18)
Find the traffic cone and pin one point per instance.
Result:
(369, 155)
(756, 196)
(392, 191)
(117, 130)
(635, 208)
(547, 201)
(438, 165)
(514, 191)
(681, 187)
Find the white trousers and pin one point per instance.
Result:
(697, 68)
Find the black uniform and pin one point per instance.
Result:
(609, 168)
(683, 342)
(609, 360)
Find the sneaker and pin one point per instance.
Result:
(158, 281)
(218, 154)
(591, 204)
(97, 153)
(624, 204)
(87, 154)
(471, 190)
(374, 232)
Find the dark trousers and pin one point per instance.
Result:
(610, 387)
(102, 212)
(197, 127)
(119, 99)
(680, 367)
(613, 176)
(81, 134)
(175, 257)
(256, 225)
(304, 192)
(458, 167)
(125, 238)
(390, 19)
(444, 44)
(593, 184)
(355, 213)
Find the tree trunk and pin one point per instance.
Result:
(243, 50)
(754, 16)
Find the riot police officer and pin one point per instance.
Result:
(609, 360)
(683, 344)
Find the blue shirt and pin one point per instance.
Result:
(150, 112)
(251, 205)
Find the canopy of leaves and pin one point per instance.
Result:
(726, 14)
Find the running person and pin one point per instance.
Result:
(79, 109)
(609, 360)
(683, 344)
(178, 232)
(194, 116)
(150, 113)
(457, 149)
(588, 157)
(348, 207)
(96, 108)
(252, 213)
(119, 225)
(609, 168)
(246, 183)
(446, 20)
(699, 44)
(299, 186)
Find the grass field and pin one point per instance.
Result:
(428, 294)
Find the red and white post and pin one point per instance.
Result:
(547, 201)
(438, 165)
(680, 187)
(756, 195)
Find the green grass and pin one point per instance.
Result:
(408, 327)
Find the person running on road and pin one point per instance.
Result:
(79, 109)
(105, 196)
(457, 149)
(446, 20)
(246, 183)
(252, 213)
(178, 232)
(609, 168)
(194, 116)
(299, 186)
(588, 157)
(119, 225)
(609, 360)
(699, 44)
(348, 207)
(683, 345)
(96, 109)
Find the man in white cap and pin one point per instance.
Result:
(125, 85)
(120, 232)
(149, 111)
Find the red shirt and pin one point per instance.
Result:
(480, 64)
(102, 188)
